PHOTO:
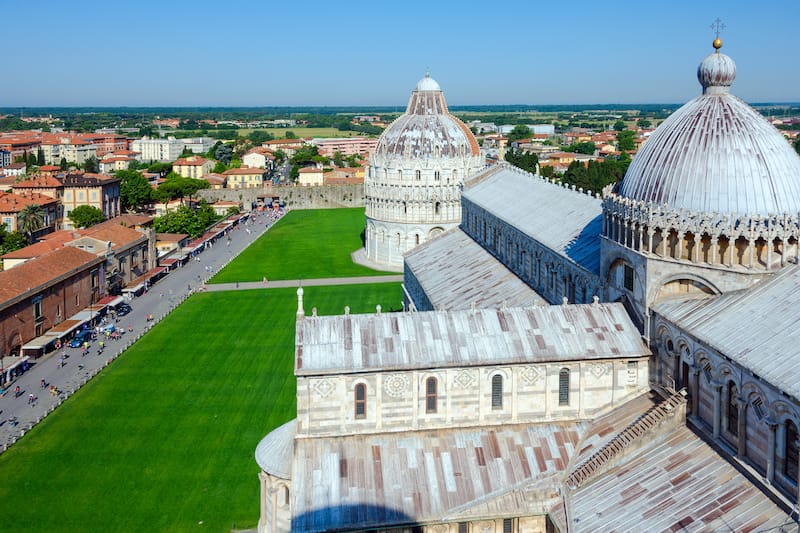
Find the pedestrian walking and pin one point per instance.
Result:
(30, 399)
(16, 392)
(43, 383)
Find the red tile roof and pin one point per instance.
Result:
(40, 271)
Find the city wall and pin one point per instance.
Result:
(295, 197)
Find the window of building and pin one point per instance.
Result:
(508, 525)
(497, 392)
(436, 175)
(463, 527)
(416, 240)
(430, 395)
(758, 407)
(707, 371)
(733, 408)
(563, 387)
(418, 175)
(790, 464)
(37, 309)
(627, 275)
(437, 207)
(361, 400)
(633, 372)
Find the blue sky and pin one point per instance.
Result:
(290, 52)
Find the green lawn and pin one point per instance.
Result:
(304, 244)
(165, 437)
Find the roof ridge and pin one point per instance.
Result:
(635, 430)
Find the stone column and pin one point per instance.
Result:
(751, 246)
(694, 389)
(713, 257)
(650, 233)
(772, 425)
(770, 244)
(717, 406)
(731, 250)
(679, 251)
(664, 238)
(741, 429)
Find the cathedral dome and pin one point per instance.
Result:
(426, 130)
(716, 154)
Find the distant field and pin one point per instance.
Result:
(164, 439)
(305, 244)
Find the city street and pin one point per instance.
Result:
(18, 413)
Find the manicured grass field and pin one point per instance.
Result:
(304, 244)
(164, 438)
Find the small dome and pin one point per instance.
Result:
(716, 70)
(427, 84)
(274, 452)
(716, 154)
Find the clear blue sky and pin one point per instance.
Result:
(294, 52)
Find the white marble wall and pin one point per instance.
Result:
(396, 400)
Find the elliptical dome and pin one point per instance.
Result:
(426, 129)
(716, 154)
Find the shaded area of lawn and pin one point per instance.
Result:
(304, 244)
(165, 437)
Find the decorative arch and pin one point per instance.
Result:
(433, 232)
(680, 285)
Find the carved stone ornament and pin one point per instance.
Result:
(396, 385)
(323, 387)
(464, 379)
(531, 375)
(599, 370)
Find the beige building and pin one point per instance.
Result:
(244, 178)
(193, 166)
(310, 176)
(97, 190)
(258, 158)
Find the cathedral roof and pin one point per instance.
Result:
(427, 129)
(404, 341)
(274, 452)
(531, 204)
(758, 328)
(716, 154)
(457, 273)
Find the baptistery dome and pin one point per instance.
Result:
(716, 154)
(426, 130)
(413, 188)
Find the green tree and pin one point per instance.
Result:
(135, 191)
(619, 125)
(63, 165)
(219, 168)
(290, 134)
(84, 216)
(162, 168)
(581, 148)
(31, 162)
(644, 123)
(522, 159)
(90, 165)
(625, 140)
(520, 131)
(337, 159)
(259, 136)
(40, 157)
(224, 154)
(12, 241)
(31, 219)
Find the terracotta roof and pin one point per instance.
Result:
(39, 181)
(309, 170)
(38, 272)
(190, 162)
(241, 171)
(13, 203)
(49, 168)
(171, 236)
(53, 241)
(131, 220)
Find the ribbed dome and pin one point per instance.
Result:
(716, 154)
(427, 129)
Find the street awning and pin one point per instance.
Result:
(66, 327)
(155, 272)
(10, 363)
(134, 289)
(39, 345)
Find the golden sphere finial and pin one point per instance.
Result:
(717, 44)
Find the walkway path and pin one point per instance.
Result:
(17, 415)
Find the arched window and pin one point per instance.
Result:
(497, 392)
(563, 387)
(733, 408)
(361, 400)
(437, 207)
(430, 395)
(436, 175)
(418, 175)
(416, 239)
(285, 496)
(790, 464)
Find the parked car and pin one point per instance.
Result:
(109, 328)
(80, 337)
(123, 309)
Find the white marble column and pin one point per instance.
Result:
(717, 407)
(771, 451)
(741, 429)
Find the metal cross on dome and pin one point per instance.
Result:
(717, 26)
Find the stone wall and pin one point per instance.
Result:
(396, 401)
(318, 197)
